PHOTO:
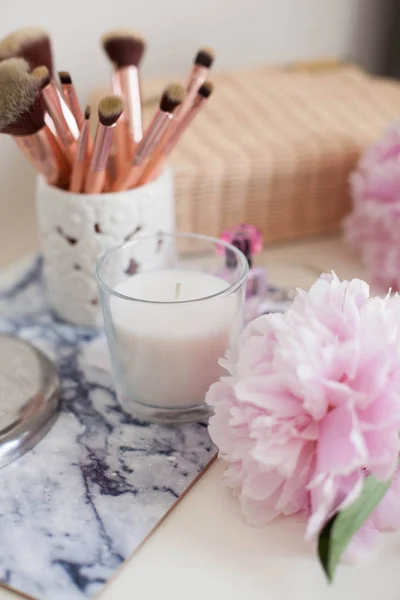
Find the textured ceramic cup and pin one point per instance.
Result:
(75, 230)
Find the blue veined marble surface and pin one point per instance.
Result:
(79, 503)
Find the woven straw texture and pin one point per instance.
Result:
(274, 148)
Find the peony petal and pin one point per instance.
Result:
(220, 433)
(322, 501)
(221, 396)
(255, 353)
(294, 495)
(361, 545)
(349, 490)
(315, 399)
(329, 495)
(383, 449)
(386, 516)
(282, 457)
(383, 412)
(340, 447)
(387, 147)
(261, 486)
(339, 393)
(260, 512)
(218, 392)
(311, 431)
(269, 394)
(371, 376)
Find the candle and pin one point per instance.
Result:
(170, 328)
(170, 314)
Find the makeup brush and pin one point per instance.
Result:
(63, 119)
(125, 49)
(83, 153)
(31, 43)
(170, 100)
(201, 66)
(22, 112)
(110, 110)
(169, 142)
(198, 74)
(70, 96)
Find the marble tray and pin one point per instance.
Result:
(76, 506)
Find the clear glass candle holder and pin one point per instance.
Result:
(169, 319)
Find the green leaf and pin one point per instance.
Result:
(338, 531)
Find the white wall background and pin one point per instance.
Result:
(243, 32)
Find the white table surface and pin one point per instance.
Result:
(204, 549)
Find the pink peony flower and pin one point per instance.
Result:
(373, 227)
(311, 404)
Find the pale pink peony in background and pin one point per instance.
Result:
(311, 404)
(373, 226)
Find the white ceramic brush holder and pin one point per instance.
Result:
(75, 230)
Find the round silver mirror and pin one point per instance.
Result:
(29, 397)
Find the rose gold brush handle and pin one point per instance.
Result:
(169, 141)
(63, 119)
(61, 148)
(153, 167)
(130, 87)
(197, 77)
(136, 175)
(83, 153)
(129, 129)
(183, 115)
(95, 182)
(124, 148)
(155, 131)
(97, 173)
(49, 122)
(70, 98)
(161, 153)
(167, 144)
(73, 129)
(43, 152)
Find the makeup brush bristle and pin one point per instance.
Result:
(42, 75)
(172, 97)
(204, 57)
(21, 104)
(206, 89)
(88, 112)
(65, 77)
(14, 90)
(124, 47)
(12, 42)
(31, 43)
(110, 110)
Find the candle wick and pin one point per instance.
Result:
(177, 290)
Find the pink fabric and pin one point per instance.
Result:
(311, 405)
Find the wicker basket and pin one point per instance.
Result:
(274, 148)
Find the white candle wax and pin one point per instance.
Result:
(167, 354)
